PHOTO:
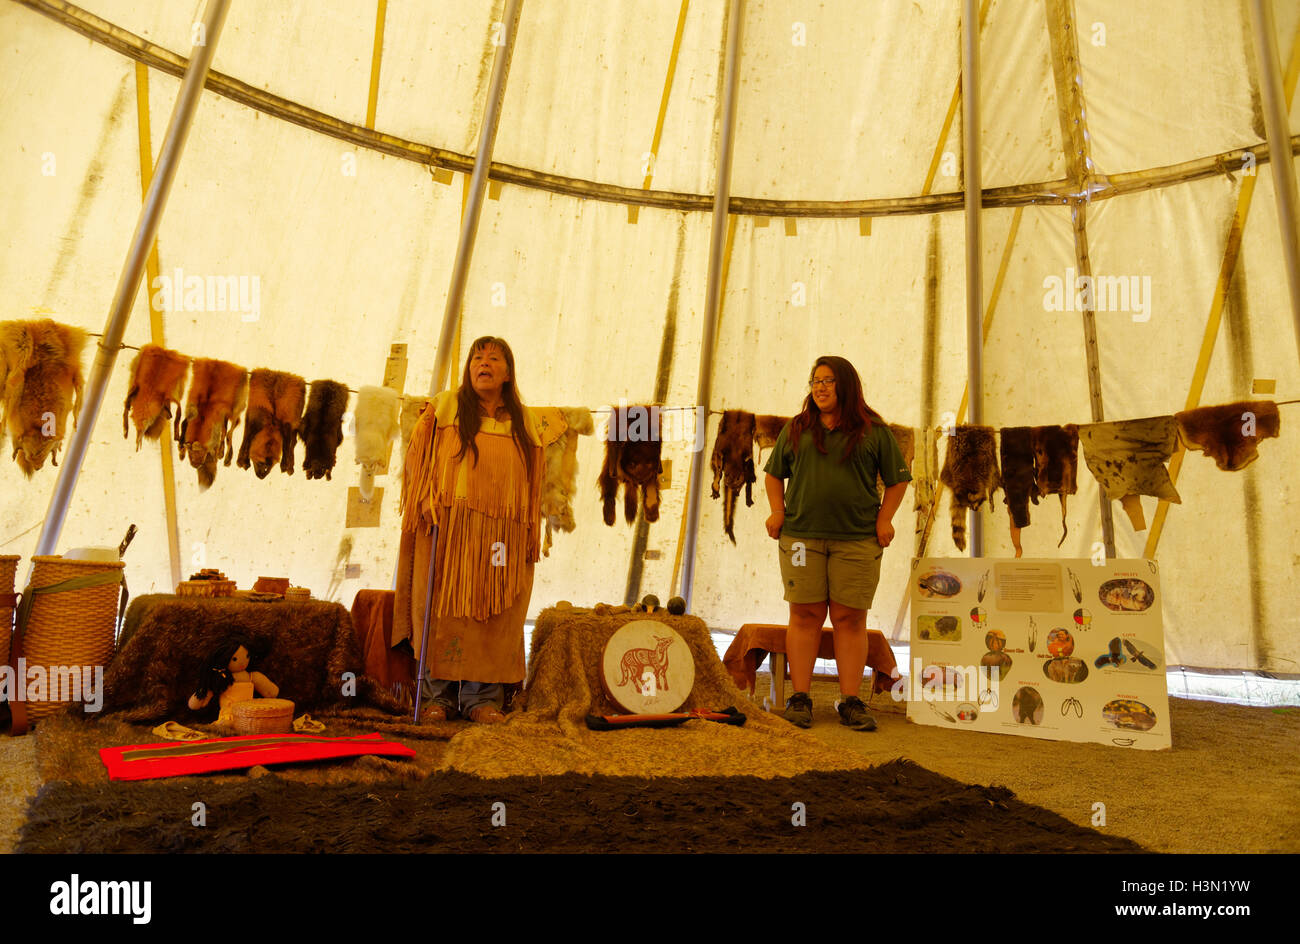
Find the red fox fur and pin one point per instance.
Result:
(41, 380)
(218, 393)
(157, 384)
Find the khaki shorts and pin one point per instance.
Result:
(815, 570)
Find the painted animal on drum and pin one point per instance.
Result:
(635, 662)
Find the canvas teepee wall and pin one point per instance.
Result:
(848, 238)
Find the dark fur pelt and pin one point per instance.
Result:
(634, 462)
(970, 470)
(275, 404)
(157, 385)
(1217, 431)
(322, 427)
(766, 430)
(733, 464)
(40, 380)
(1019, 477)
(308, 647)
(1056, 464)
(218, 394)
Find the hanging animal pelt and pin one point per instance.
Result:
(905, 436)
(157, 385)
(377, 423)
(275, 404)
(632, 460)
(1019, 478)
(733, 464)
(322, 427)
(1230, 432)
(970, 470)
(560, 457)
(217, 397)
(1056, 464)
(41, 380)
(766, 430)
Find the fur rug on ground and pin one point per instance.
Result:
(564, 684)
(897, 807)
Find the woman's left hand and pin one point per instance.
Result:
(884, 532)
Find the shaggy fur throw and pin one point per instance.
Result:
(1229, 433)
(322, 427)
(157, 384)
(733, 464)
(305, 649)
(633, 461)
(40, 383)
(218, 394)
(275, 404)
(560, 475)
(970, 470)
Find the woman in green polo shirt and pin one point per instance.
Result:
(832, 527)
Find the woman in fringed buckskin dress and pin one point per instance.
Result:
(474, 465)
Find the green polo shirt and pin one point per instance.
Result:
(827, 499)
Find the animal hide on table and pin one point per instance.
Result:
(633, 461)
(559, 428)
(377, 423)
(1128, 459)
(1229, 433)
(41, 380)
(275, 404)
(733, 464)
(322, 427)
(217, 397)
(970, 470)
(1037, 461)
(157, 385)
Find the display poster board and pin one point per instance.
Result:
(1067, 650)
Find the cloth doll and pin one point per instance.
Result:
(226, 675)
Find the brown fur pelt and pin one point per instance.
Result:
(275, 404)
(560, 475)
(970, 470)
(634, 462)
(1056, 464)
(733, 464)
(1019, 477)
(905, 436)
(1218, 431)
(41, 380)
(157, 385)
(308, 648)
(322, 427)
(218, 394)
(766, 430)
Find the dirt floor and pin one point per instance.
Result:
(1231, 783)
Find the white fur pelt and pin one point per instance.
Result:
(560, 480)
(377, 425)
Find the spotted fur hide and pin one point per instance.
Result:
(275, 405)
(41, 380)
(970, 470)
(733, 464)
(322, 427)
(634, 462)
(157, 385)
(560, 475)
(1224, 432)
(217, 397)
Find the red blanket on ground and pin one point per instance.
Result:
(179, 758)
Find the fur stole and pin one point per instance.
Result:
(275, 404)
(157, 385)
(733, 464)
(1230, 432)
(322, 427)
(217, 397)
(559, 436)
(633, 461)
(41, 380)
(970, 470)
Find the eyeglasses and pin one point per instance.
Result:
(822, 383)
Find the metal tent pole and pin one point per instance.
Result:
(970, 128)
(1279, 148)
(713, 292)
(128, 283)
(464, 251)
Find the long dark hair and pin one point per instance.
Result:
(855, 416)
(215, 675)
(468, 404)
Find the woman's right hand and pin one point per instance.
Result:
(774, 523)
